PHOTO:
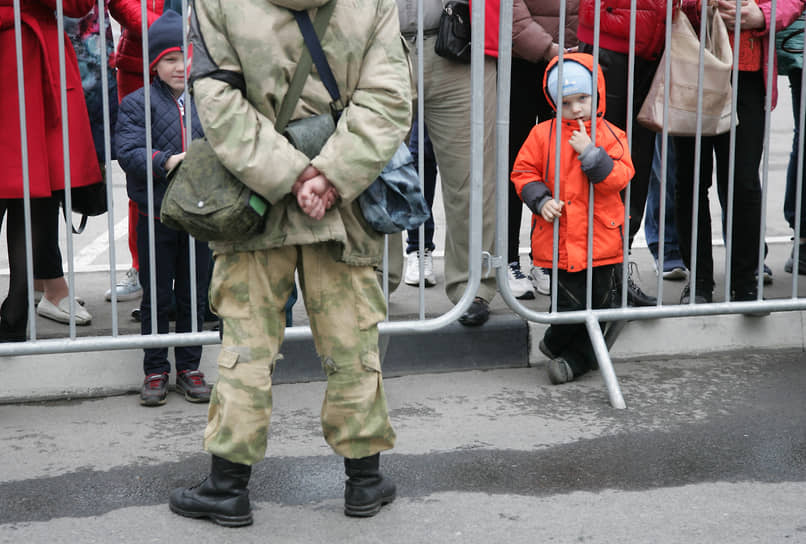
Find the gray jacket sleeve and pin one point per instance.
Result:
(596, 163)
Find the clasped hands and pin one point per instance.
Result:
(750, 15)
(315, 193)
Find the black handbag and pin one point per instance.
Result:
(453, 36)
(88, 200)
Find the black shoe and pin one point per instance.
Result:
(222, 497)
(477, 314)
(136, 315)
(154, 390)
(703, 296)
(635, 296)
(366, 489)
(8, 334)
(789, 266)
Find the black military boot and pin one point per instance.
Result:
(366, 489)
(222, 496)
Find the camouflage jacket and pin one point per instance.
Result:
(261, 41)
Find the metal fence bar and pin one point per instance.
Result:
(26, 178)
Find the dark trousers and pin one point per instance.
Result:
(792, 180)
(14, 310)
(527, 107)
(429, 187)
(571, 341)
(615, 67)
(747, 189)
(172, 257)
(45, 236)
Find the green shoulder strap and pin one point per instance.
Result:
(303, 70)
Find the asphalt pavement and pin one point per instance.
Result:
(711, 450)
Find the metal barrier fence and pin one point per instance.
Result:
(479, 257)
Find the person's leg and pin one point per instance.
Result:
(188, 357)
(746, 235)
(447, 115)
(792, 167)
(14, 310)
(429, 188)
(653, 202)
(248, 292)
(429, 174)
(155, 360)
(355, 421)
(684, 204)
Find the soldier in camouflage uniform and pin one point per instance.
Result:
(314, 227)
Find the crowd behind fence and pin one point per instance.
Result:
(685, 161)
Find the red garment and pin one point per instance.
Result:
(535, 26)
(536, 163)
(650, 26)
(42, 103)
(492, 10)
(129, 56)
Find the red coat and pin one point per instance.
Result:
(42, 103)
(129, 56)
(614, 26)
(536, 163)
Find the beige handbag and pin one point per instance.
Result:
(716, 99)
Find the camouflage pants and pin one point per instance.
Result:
(344, 304)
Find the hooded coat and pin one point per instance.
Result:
(260, 42)
(606, 164)
(43, 111)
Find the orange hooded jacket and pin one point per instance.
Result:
(534, 176)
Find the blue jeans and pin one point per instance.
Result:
(430, 182)
(652, 218)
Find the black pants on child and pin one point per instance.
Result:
(173, 279)
(571, 341)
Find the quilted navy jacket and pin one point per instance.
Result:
(167, 138)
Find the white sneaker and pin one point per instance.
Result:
(129, 288)
(540, 280)
(413, 269)
(519, 284)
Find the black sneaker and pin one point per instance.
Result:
(703, 296)
(477, 314)
(635, 296)
(191, 384)
(155, 390)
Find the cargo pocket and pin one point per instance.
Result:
(227, 359)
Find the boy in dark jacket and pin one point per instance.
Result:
(169, 103)
(605, 164)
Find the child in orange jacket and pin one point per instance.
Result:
(608, 167)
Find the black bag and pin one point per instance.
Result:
(88, 200)
(205, 200)
(453, 37)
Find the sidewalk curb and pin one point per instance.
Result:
(506, 341)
